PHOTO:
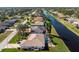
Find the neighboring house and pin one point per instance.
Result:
(17, 17)
(38, 25)
(38, 29)
(6, 24)
(2, 29)
(38, 20)
(71, 20)
(28, 30)
(34, 42)
(60, 15)
(77, 24)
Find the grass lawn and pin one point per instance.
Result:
(60, 45)
(12, 50)
(19, 50)
(14, 39)
(4, 35)
(70, 26)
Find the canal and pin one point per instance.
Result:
(70, 39)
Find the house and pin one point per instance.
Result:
(38, 29)
(9, 22)
(6, 24)
(36, 39)
(38, 25)
(71, 20)
(16, 17)
(2, 29)
(38, 19)
(77, 24)
(28, 30)
(34, 42)
(60, 15)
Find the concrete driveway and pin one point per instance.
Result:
(8, 38)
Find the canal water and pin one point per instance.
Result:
(69, 38)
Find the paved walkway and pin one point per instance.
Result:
(12, 46)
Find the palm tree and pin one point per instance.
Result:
(48, 25)
(21, 30)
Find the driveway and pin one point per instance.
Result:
(8, 38)
(12, 46)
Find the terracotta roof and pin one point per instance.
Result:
(38, 19)
(37, 41)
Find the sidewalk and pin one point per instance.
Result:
(12, 46)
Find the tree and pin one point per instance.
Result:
(22, 30)
(48, 25)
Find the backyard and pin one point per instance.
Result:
(58, 42)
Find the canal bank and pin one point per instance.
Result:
(69, 38)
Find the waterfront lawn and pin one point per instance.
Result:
(70, 26)
(59, 44)
(4, 35)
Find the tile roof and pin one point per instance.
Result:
(37, 41)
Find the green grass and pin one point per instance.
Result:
(14, 39)
(60, 45)
(12, 50)
(4, 35)
(19, 50)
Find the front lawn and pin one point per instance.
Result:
(14, 39)
(4, 35)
